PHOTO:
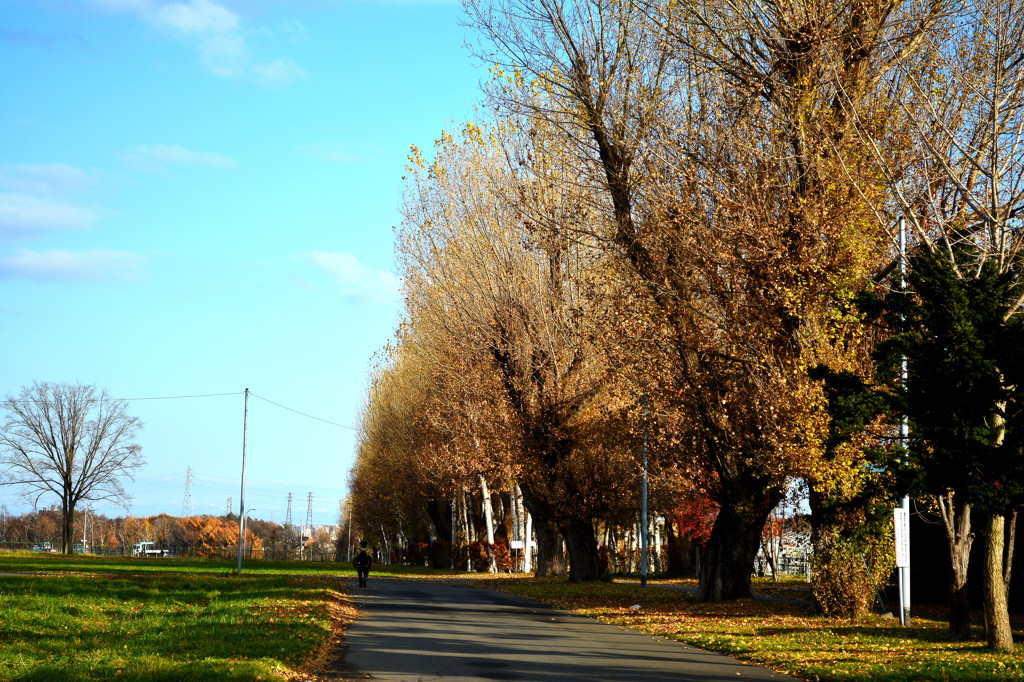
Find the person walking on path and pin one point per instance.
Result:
(362, 563)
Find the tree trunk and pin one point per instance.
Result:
(997, 617)
(956, 517)
(1011, 535)
(727, 561)
(467, 528)
(67, 526)
(528, 542)
(630, 549)
(440, 514)
(770, 559)
(656, 547)
(550, 559)
(581, 542)
(678, 549)
(489, 522)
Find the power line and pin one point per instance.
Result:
(290, 409)
(209, 395)
(181, 397)
(21, 401)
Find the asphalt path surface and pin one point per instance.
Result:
(424, 630)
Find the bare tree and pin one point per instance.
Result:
(69, 440)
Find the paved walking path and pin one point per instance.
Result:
(431, 631)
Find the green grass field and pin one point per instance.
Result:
(193, 619)
(166, 619)
(40, 562)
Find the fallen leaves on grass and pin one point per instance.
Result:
(324, 662)
(782, 636)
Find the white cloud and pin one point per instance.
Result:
(160, 158)
(34, 197)
(225, 55)
(134, 6)
(279, 72)
(293, 30)
(196, 16)
(93, 265)
(358, 283)
(44, 178)
(22, 214)
(218, 34)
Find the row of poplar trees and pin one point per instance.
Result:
(676, 222)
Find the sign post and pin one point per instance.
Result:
(901, 523)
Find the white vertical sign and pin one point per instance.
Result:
(901, 519)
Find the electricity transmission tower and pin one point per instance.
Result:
(186, 505)
(229, 508)
(309, 523)
(289, 528)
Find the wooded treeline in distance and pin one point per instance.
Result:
(197, 536)
(673, 226)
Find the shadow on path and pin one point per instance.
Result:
(430, 630)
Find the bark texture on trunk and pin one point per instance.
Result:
(956, 517)
(67, 527)
(678, 550)
(581, 543)
(727, 561)
(550, 558)
(489, 522)
(997, 617)
(440, 514)
(1011, 535)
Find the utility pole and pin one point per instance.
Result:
(348, 554)
(309, 522)
(186, 505)
(241, 499)
(902, 515)
(643, 504)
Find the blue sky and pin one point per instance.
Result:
(197, 197)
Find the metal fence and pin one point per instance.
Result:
(798, 564)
